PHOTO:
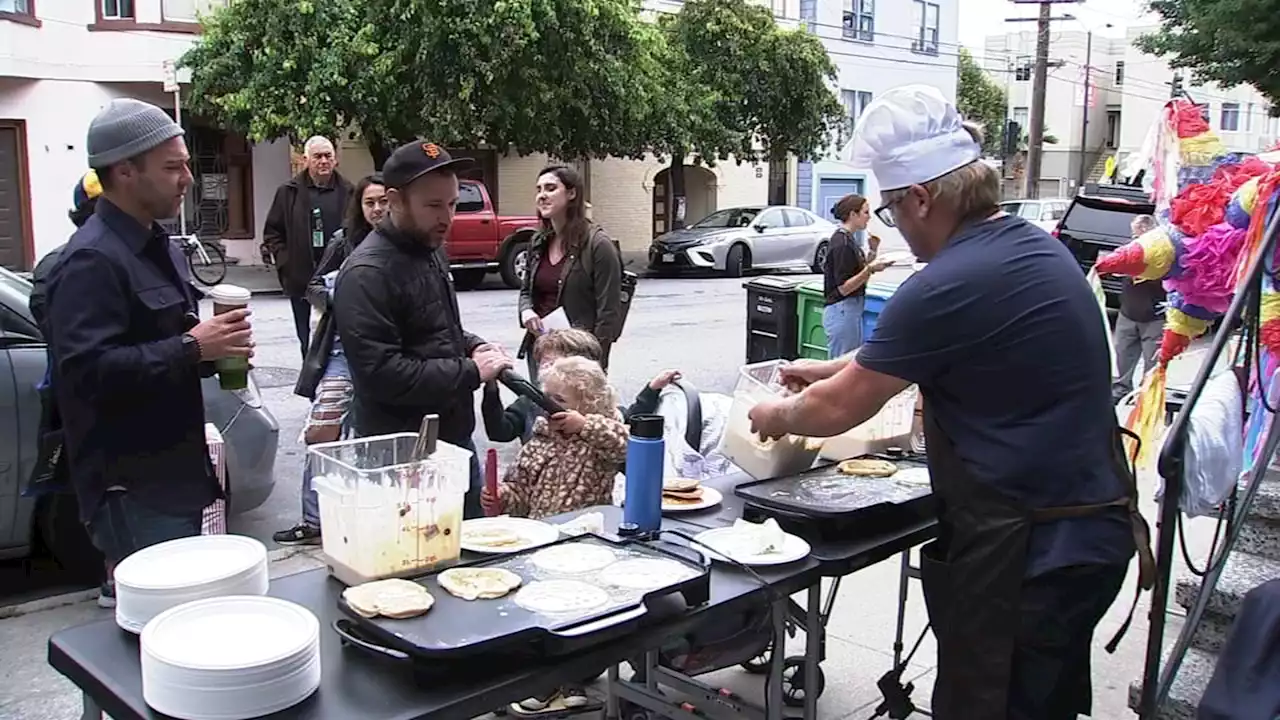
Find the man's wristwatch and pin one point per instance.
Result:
(191, 346)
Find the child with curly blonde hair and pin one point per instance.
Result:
(570, 461)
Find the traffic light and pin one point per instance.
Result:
(1176, 85)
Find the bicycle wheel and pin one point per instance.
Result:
(208, 264)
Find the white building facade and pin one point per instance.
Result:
(49, 93)
(1127, 89)
(876, 45)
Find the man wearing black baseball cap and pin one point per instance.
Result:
(398, 316)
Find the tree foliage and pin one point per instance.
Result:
(981, 100)
(745, 86)
(1228, 42)
(570, 78)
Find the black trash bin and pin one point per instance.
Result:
(772, 321)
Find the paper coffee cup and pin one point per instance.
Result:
(233, 373)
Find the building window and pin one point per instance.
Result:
(188, 11)
(1022, 71)
(925, 20)
(809, 12)
(117, 9)
(860, 20)
(1230, 117)
(1248, 118)
(1119, 73)
(19, 11)
(855, 103)
(1021, 116)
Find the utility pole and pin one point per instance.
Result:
(1084, 110)
(1040, 80)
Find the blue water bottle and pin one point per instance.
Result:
(642, 507)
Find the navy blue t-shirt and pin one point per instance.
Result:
(1003, 335)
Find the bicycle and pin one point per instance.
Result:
(208, 262)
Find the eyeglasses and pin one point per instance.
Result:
(885, 212)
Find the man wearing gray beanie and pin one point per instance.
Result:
(127, 346)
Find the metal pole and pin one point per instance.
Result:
(1084, 111)
(182, 207)
(1035, 134)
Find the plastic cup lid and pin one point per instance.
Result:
(229, 294)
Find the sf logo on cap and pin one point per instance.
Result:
(431, 149)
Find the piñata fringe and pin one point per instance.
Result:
(1147, 417)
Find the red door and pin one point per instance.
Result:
(474, 234)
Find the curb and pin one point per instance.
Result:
(54, 602)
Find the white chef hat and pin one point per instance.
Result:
(911, 135)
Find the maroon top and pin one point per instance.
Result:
(546, 286)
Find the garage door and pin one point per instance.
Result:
(830, 190)
(12, 227)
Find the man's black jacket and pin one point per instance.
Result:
(128, 391)
(398, 320)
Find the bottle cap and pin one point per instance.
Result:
(646, 426)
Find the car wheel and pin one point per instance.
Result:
(514, 264)
(736, 262)
(58, 520)
(820, 258)
(468, 279)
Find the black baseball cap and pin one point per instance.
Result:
(413, 160)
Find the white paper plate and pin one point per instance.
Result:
(240, 632)
(134, 608)
(710, 498)
(793, 548)
(532, 534)
(187, 562)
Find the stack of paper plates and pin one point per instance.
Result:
(162, 576)
(230, 658)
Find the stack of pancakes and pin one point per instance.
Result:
(681, 491)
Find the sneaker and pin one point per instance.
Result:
(107, 596)
(300, 534)
(573, 696)
(538, 703)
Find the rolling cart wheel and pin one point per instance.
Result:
(759, 665)
(793, 689)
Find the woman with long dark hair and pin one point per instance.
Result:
(845, 273)
(572, 264)
(325, 378)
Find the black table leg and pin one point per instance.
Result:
(813, 650)
(91, 709)
(774, 694)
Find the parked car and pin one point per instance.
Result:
(735, 240)
(1097, 222)
(1042, 212)
(248, 428)
(482, 241)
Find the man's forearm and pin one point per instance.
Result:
(819, 411)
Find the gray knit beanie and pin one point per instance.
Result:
(127, 128)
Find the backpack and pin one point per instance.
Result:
(629, 279)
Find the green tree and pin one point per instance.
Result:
(739, 86)
(1228, 42)
(564, 77)
(981, 100)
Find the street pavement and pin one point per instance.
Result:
(694, 325)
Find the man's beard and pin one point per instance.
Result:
(429, 238)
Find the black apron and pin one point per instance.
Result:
(972, 578)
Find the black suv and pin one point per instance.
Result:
(1097, 221)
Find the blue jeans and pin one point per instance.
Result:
(843, 325)
(122, 526)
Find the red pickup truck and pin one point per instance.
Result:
(482, 241)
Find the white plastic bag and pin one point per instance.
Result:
(1215, 445)
(1095, 284)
